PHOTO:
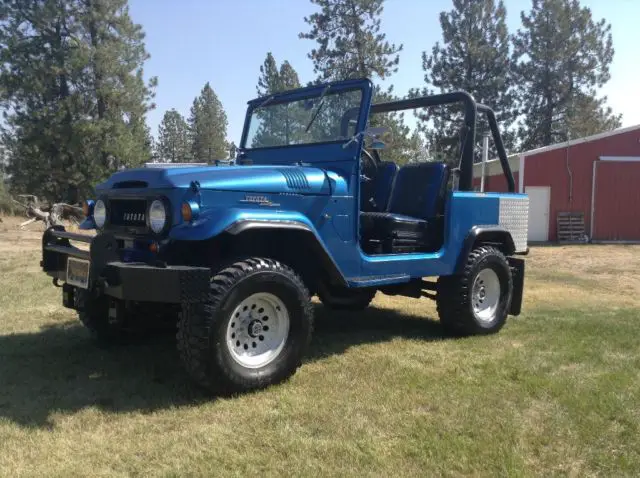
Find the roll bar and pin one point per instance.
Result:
(471, 109)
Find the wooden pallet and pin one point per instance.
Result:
(570, 227)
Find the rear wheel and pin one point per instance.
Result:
(476, 301)
(253, 330)
(345, 299)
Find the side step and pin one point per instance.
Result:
(375, 281)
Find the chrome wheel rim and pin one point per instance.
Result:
(257, 330)
(485, 295)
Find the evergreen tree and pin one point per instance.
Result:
(277, 123)
(268, 82)
(233, 150)
(563, 59)
(474, 56)
(208, 127)
(589, 115)
(418, 148)
(350, 44)
(273, 80)
(402, 148)
(173, 138)
(71, 78)
(288, 77)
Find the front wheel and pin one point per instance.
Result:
(476, 301)
(252, 331)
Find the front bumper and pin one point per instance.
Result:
(109, 275)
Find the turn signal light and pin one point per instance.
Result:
(153, 247)
(187, 213)
(87, 208)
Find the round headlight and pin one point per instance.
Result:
(157, 216)
(99, 213)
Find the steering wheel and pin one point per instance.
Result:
(372, 163)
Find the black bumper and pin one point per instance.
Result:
(122, 280)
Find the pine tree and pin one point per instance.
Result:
(288, 77)
(233, 150)
(208, 127)
(273, 80)
(563, 59)
(173, 138)
(72, 80)
(474, 56)
(350, 44)
(277, 123)
(268, 82)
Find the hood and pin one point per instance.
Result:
(264, 179)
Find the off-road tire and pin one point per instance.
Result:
(454, 294)
(93, 312)
(345, 299)
(202, 328)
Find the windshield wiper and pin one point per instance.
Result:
(318, 108)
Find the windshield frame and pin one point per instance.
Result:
(315, 91)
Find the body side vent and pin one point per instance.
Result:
(295, 179)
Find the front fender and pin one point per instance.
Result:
(216, 221)
(237, 221)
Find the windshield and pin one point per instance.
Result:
(315, 119)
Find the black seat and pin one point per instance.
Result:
(413, 218)
(376, 193)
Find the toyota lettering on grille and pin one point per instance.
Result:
(133, 216)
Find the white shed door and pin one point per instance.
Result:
(539, 197)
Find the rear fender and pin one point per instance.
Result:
(495, 236)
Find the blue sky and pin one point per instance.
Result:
(225, 42)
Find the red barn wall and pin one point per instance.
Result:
(497, 183)
(549, 168)
(617, 205)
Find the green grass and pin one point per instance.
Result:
(380, 393)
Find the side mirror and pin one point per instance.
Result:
(377, 138)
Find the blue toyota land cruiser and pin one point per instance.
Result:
(234, 253)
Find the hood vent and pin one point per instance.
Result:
(130, 185)
(295, 179)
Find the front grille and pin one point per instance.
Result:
(128, 212)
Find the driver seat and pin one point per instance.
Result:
(376, 192)
(412, 220)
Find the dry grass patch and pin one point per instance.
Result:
(587, 275)
(381, 392)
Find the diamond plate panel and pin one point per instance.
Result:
(514, 217)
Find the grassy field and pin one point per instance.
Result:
(381, 393)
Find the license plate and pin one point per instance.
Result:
(78, 272)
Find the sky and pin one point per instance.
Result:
(224, 42)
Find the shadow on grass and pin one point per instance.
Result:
(61, 369)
